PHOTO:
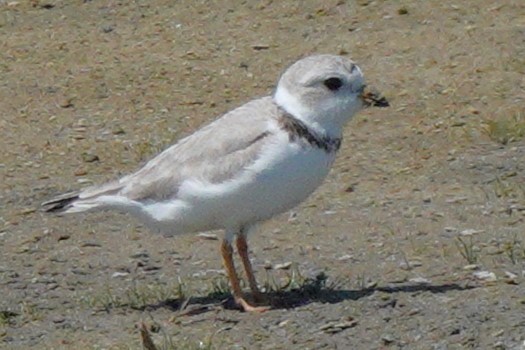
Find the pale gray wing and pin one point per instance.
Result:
(213, 154)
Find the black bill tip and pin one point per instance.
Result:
(374, 99)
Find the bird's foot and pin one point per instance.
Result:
(247, 307)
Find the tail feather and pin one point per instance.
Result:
(60, 203)
(83, 200)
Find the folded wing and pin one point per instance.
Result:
(215, 153)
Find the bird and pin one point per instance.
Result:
(245, 167)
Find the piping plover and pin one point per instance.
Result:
(254, 162)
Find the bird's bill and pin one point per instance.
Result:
(373, 99)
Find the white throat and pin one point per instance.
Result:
(312, 118)
(291, 104)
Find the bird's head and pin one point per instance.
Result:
(324, 90)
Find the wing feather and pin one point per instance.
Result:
(215, 153)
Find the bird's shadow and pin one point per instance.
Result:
(312, 291)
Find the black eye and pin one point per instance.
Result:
(333, 84)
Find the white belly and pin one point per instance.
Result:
(286, 174)
(278, 185)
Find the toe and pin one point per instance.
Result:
(247, 307)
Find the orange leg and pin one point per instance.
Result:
(227, 257)
(242, 248)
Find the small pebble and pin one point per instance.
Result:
(473, 110)
(510, 275)
(66, 103)
(283, 266)
(345, 257)
(470, 232)
(80, 172)
(107, 29)
(486, 276)
(119, 274)
(118, 131)
(63, 237)
(371, 284)
(259, 47)
(402, 11)
(90, 158)
(387, 339)
(498, 333)
(419, 280)
(283, 323)
(59, 319)
(512, 278)
(208, 236)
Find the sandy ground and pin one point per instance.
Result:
(416, 240)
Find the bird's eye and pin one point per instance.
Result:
(333, 84)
